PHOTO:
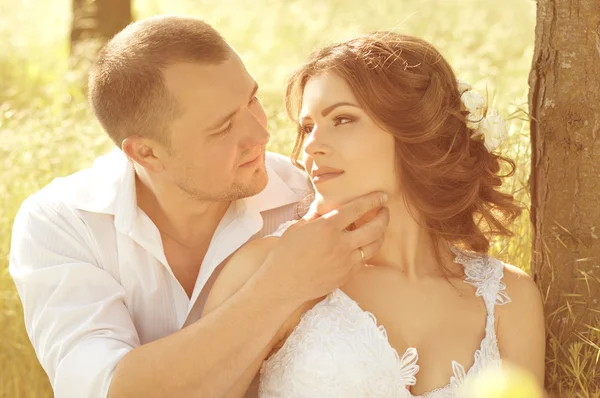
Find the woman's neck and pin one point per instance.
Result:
(408, 246)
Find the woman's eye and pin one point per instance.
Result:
(307, 129)
(342, 120)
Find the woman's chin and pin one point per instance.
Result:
(327, 205)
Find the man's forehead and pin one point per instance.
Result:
(207, 93)
(188, 81)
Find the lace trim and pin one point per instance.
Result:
(485, 274)
(410, 359)
(458, 378)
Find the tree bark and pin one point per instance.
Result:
(98, 19)
(564, 101)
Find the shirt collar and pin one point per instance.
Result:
(277, 193)
(108, 187)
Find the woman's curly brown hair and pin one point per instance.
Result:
(411, 91)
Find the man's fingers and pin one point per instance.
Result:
(370, 231)
(353, 211)
(369, 252)
(372, 249)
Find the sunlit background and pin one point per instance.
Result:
(47, 130)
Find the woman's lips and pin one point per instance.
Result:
(326, 177)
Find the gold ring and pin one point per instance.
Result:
(362, 255)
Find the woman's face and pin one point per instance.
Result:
(346, 153)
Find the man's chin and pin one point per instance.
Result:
(257, 183)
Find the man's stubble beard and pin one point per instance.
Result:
(256, 184)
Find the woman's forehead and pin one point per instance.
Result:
(323, 90)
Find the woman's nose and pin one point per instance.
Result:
(316, 143)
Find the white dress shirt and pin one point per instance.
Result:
(91, 272)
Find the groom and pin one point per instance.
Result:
(113, 263)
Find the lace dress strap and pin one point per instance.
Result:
(485, 273)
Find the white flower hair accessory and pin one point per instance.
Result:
(488, 127)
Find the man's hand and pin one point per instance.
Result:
(319, 254)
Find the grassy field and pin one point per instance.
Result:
(46, 129)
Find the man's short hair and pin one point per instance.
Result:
(127, 90)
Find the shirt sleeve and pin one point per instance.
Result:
(74, 311)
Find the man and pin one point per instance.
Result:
(113, 263)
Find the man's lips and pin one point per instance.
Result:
(252, 162)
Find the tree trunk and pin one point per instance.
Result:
(98, 19)
(94, 23)
(564, 101)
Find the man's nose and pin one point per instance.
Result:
(255, 129)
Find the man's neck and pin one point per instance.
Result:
(177, 216)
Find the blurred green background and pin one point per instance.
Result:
(47, 130)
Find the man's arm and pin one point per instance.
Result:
(206, 358)
(86, 341)
(236, 273)
(74, 311)
(84, 335)
(223, 349)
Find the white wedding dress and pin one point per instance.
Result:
(339, 351)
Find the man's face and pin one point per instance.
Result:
(218, 143)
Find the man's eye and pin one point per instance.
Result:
(224, 131)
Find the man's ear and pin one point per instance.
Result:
(145, 152)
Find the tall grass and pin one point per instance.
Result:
(47, 130)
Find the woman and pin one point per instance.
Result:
(384, 112)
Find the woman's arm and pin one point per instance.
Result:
(521, 326)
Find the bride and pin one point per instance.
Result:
(431, 310)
